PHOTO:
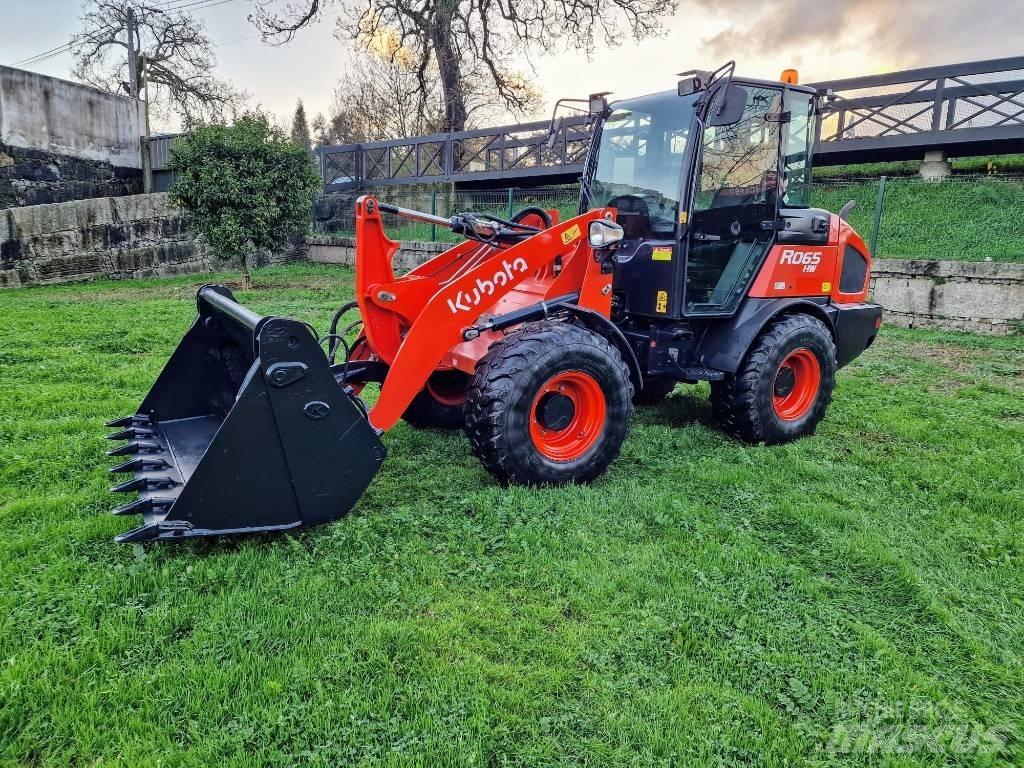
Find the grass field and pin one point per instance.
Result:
(853, 598)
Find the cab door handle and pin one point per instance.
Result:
(705, 238)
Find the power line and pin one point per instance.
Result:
(44, 56)
(232, 42)
(180, 5)
(167, 5)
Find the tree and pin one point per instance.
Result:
(173, 55)
(245, 187)
(383, 96)
(300, 128)
(472, 35)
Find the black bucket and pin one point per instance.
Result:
(245, 430)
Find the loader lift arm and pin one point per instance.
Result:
(238, 380)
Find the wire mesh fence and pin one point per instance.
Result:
(964, 218)
(334, 214)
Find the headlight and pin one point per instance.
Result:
(604, 233)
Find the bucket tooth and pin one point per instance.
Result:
(144, 506)
(141, 465)
(150, 531)
(139, 419)
(144, 484)
(131, 433)
(138, 446)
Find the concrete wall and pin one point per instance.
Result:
(328, 249)
(52, 115)
(63, 141)
(985, 297)
(111, 237)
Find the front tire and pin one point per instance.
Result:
(550, 404)
(784, 385)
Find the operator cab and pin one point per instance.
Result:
(698, 178)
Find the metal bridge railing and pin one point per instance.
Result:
(519, 151)
(973, 108)
(978, 106)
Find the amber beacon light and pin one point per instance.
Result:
(790, 77)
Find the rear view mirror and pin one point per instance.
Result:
(728, 106)
(553, 129)
(688, 86)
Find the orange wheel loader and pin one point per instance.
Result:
(695, 257)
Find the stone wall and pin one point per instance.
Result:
(111, 237)
(981, 296)
(64, 141)
(985, 297)
(34, 177)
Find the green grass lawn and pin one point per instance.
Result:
(958, 219)
(852, 598)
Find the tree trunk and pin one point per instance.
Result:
(246, 275)
(448, 66)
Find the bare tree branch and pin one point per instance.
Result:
(473, 36)
(175, 58)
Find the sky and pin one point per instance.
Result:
(823, 39)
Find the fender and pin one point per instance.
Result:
(724, 343)
(602, 326)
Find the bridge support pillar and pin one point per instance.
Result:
(935, 166)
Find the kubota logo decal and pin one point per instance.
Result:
(809, 260)
(465, 301)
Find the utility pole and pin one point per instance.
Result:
(133, 63)
(147, 170)
(133, 87)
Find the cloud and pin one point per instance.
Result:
(888, 34)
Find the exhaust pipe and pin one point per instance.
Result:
(245, 430)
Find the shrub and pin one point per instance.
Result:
(245, 187)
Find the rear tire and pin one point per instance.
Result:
(440, 403)
(550, 404)
(784, 385)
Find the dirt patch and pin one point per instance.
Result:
(958, 359)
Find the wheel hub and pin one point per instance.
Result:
(784, 381)
(555, 411)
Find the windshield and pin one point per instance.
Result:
(639, 162)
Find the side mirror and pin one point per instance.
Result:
(727, 107)
(553, 129)
(688, 86)
(598, 103)
(604, 233)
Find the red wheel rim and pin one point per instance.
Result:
(584, 420)
(796, 384)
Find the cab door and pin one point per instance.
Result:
(734, 205)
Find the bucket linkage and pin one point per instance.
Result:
(245, 430)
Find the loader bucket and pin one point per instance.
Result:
(245, 430)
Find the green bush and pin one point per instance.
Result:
(246, 187)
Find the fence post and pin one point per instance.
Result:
(879, 206)
(433, 211)
(509, 217)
